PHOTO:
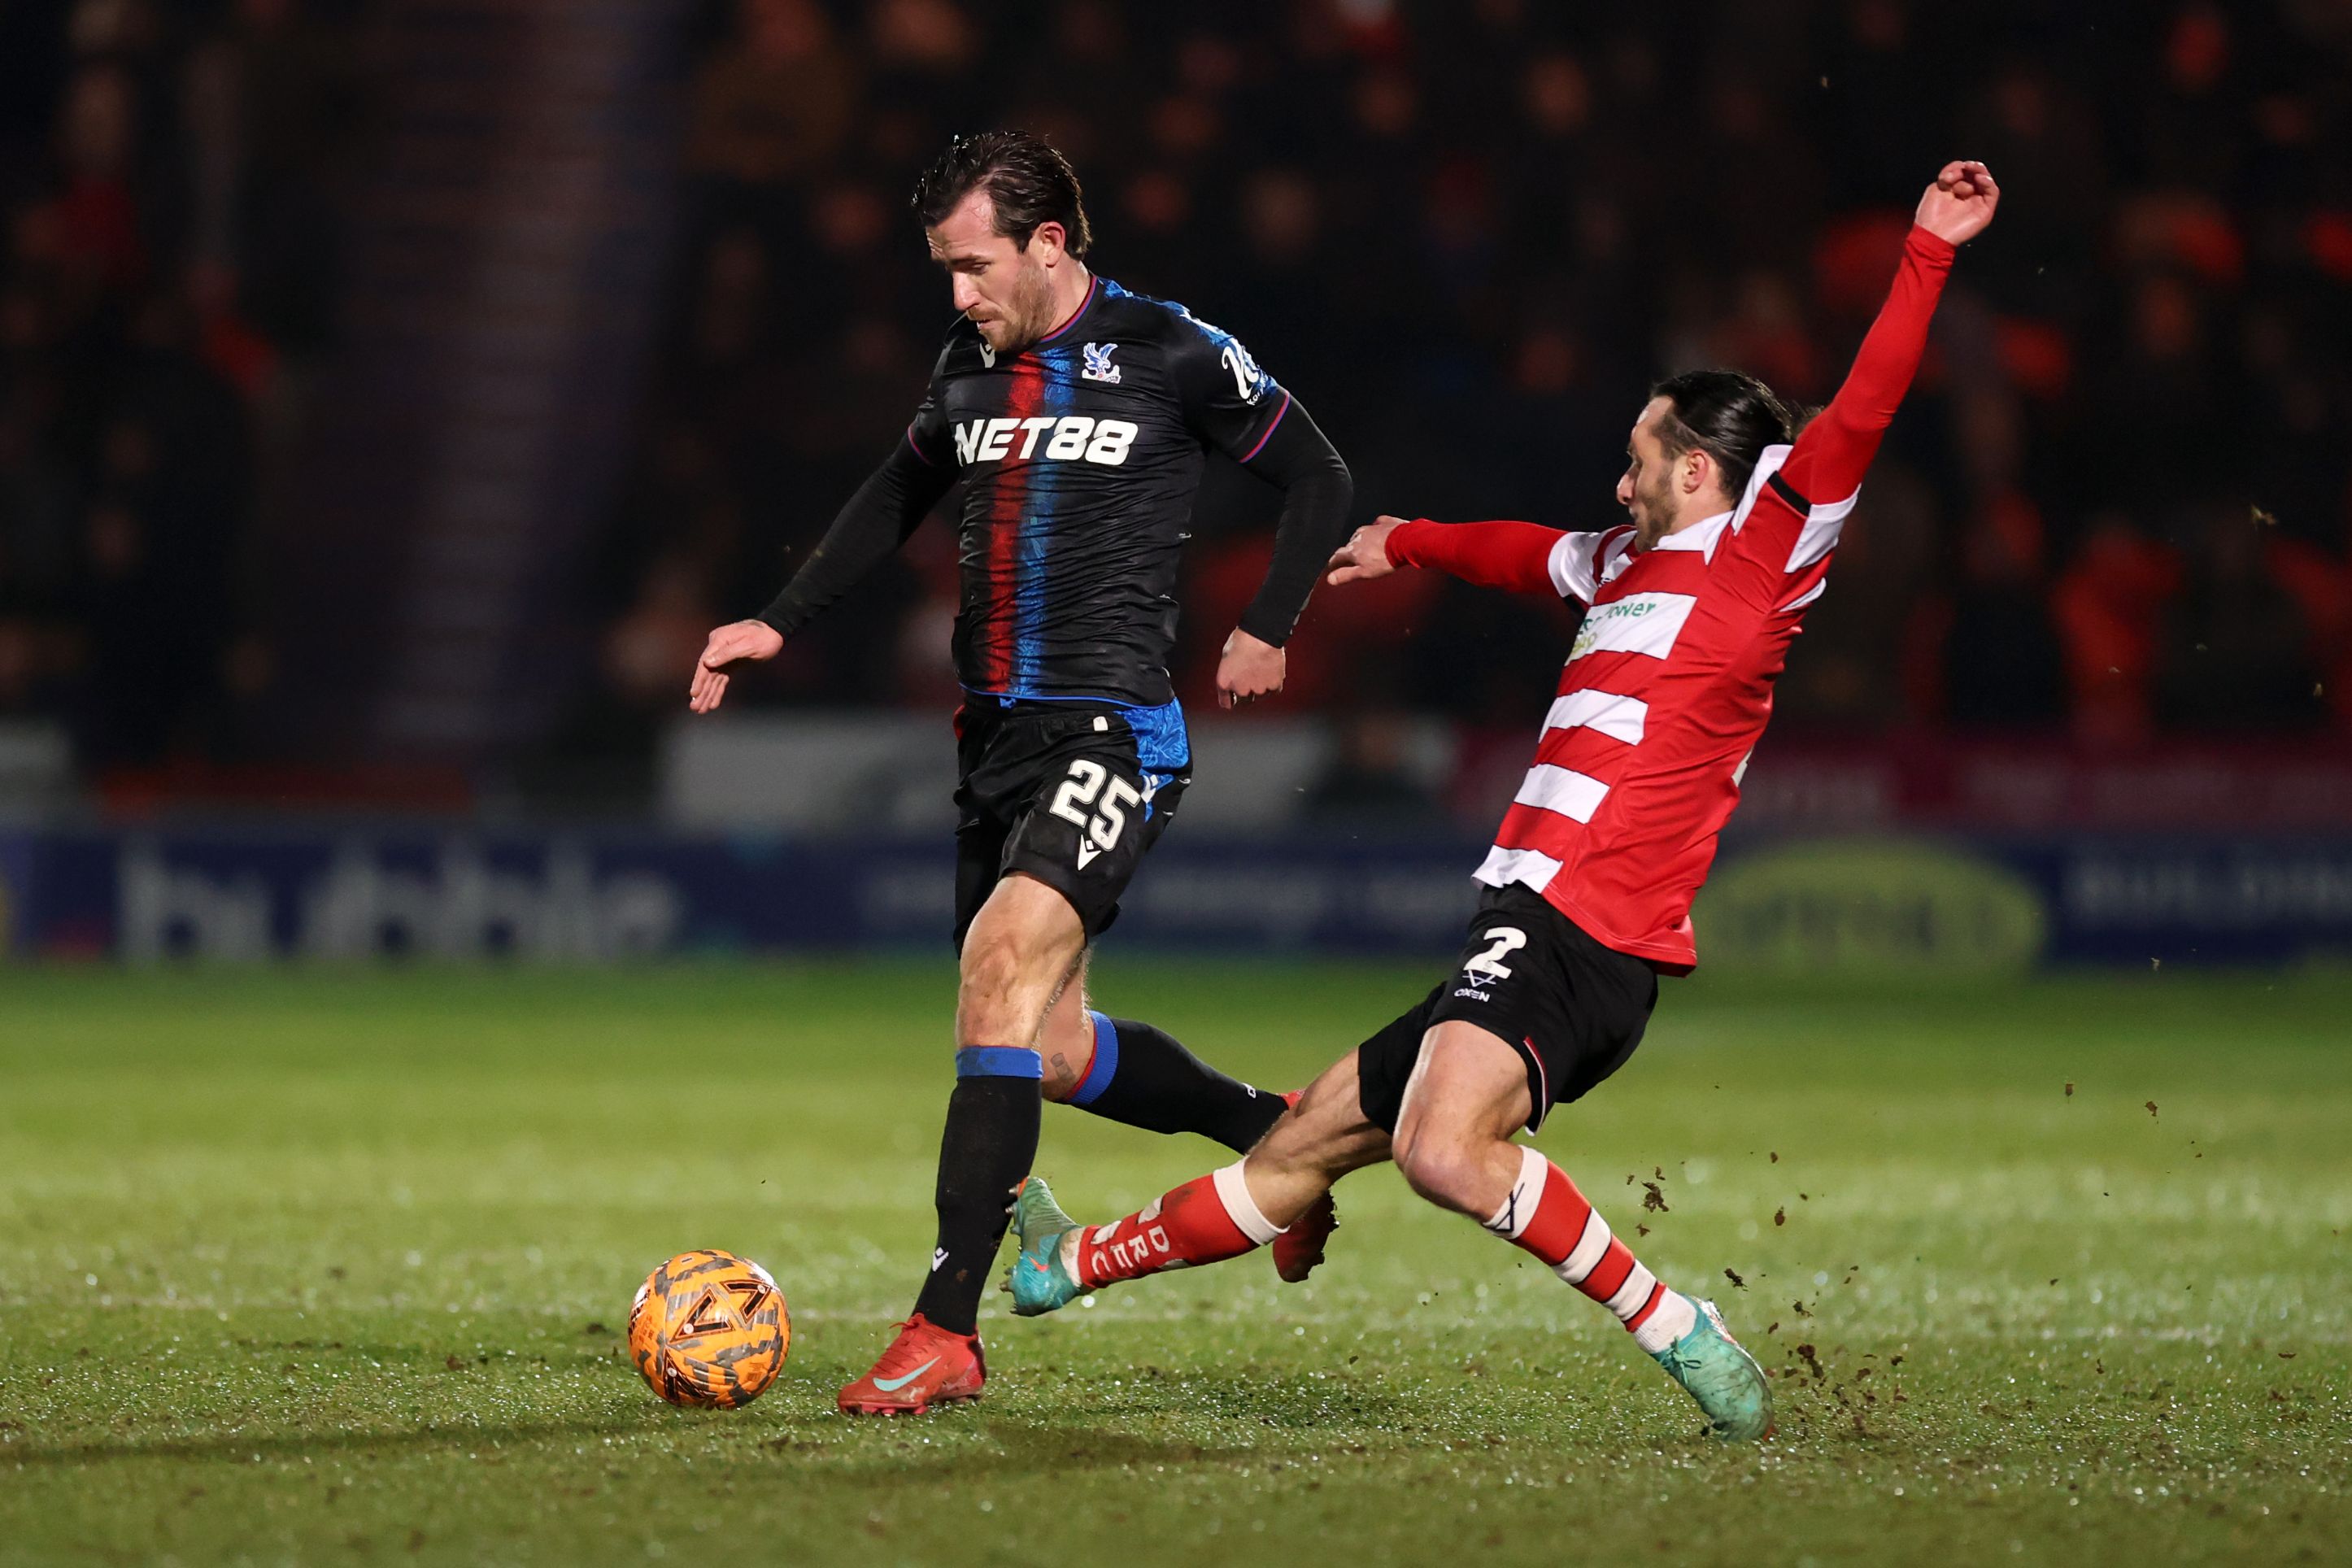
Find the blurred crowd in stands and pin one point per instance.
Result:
(168, 184)
(1467, 236)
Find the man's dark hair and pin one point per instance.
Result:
(1027, 182)
(1730, 416)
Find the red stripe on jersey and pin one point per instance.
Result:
(1584, 749)
(1662, 571)
(1261, 440)
(1619, 835)
(1008, 502)
(1608, 670)
(1800, 583)
(1760, 568)
(1535, 827)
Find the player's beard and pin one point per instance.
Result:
(1032, 304)
(1652, 514)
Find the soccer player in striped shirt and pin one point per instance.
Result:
(1693, 604)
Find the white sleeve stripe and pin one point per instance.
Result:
(1799, 603)
(1820, 534)
(1834, 511)
(1571, 565)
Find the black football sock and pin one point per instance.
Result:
(1145, 1077)
(989, 1145)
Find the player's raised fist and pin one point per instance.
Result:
(1960, 205)
(737, 642)
(1365, 555)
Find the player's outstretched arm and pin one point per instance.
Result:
(887, 507)
(1516, 556)
(1297, 459)
(1835, 450)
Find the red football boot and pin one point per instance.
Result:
(1299, 1250)
(925, 1365)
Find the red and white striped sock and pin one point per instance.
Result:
(1547, 1215)
(1206, 1220)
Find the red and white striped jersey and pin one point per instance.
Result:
(1669, 683)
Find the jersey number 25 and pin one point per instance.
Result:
(1085, 787)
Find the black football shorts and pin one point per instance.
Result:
(1072, 794)
(1573, 1009)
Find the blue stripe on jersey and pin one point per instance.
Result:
(1038, 512)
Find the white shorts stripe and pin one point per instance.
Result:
(1638, 623)
(1620, 717)
(1530, 868)
(1586, 1255)
(1563, 790)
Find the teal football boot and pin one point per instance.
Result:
(1716, 1370)
(1041, 1281)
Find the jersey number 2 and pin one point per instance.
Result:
(1083, 788)
(1508, 939)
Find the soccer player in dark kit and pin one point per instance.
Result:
(1733, 517)
(1079, 415)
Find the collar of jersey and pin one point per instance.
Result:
(1094, 287)
(1699, 536)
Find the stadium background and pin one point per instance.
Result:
(391, 397)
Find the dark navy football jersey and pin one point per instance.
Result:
(1081, 455)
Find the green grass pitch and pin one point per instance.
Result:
(326, 1267)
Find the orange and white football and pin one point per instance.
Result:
(709, 1329)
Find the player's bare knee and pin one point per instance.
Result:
(991, 971)
(1446, 1166)
(988, 999)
